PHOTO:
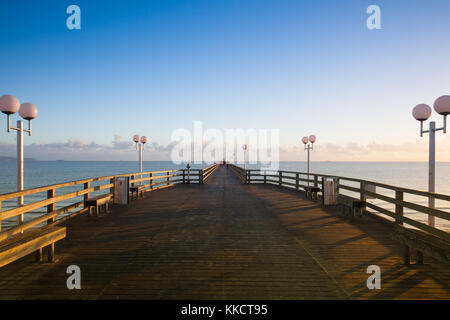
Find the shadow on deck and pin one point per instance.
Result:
(224, 240)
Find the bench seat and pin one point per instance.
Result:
(422, 243)
(100, 201)
(30, 241)
(312, 192)
(354, 205)
(138, 190)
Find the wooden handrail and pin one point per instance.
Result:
(289, 180)
(171, 177)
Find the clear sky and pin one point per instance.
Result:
(151, 67)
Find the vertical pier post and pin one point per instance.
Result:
(398, 207)
(280, 178)
(111, 190)
(362, 194)
(51, 207)
(297, 181)
(151, 181)
(87, 185)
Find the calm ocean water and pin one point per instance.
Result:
(405, 174)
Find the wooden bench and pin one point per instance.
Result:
(34, 240)
(98, 202)
(354, 206)
(138, 190)
(422, 243)
(312, 192)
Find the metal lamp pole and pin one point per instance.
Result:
(245, 148)
(141, 141)
(421, 113)
(28, 111)
(309, 146)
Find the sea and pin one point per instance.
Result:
(413, 175)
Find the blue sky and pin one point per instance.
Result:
(150, 67)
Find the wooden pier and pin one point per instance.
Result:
(221, 239)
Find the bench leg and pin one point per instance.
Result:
(51, 252)
(419, 257)
(39, 255)
(407, 256)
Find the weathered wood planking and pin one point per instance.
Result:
(225, 240)
(398, 201)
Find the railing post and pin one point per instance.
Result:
(265, 177)
(249, 177)
(398, 207)
(200, 177)
(184, 177)
(280, 178)
(50, 207)
(316, 181)
(86, 185)
(132, 178)
(297, 181)
(362, 191)
(151, 181)
(168, 177)
(111, 190)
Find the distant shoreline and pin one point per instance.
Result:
(2, 158)
(14, 159)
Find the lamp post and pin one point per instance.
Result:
(245, 148)
(141, 141)
(28, 111)
(421, 113)
(309, 147)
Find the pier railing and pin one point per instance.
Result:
(389, 202)
(44, 205)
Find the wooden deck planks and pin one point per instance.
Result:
(224, 240)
